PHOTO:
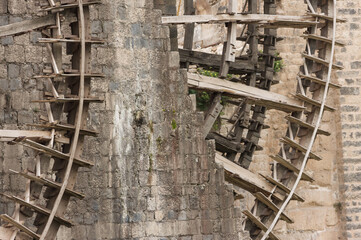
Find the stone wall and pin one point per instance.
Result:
(350, 114)
(20, 59)
(154, 176)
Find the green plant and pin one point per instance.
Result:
(174, 124)
(278, 63)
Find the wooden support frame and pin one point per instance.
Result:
(266, 98)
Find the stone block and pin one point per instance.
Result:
(16, 7)
(15, 53)
(308, 219)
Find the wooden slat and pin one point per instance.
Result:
(214, 61)
(313, 102)
(49, 183)
(224, 144)
(283, 187)
(55, 153)
(74, 74)
(212, 114)
(67, 99)
(259, 224)
(291, 21)
(66, 128)
(20, 226)
(9, 135)
(318, 80)
(321, 61)
(64, 40)
(321, 38)
(265, 98)
(306, 125)
(299, 147)
(329, 18)
(266, 201)
(26, 26)
(245, 179)
(39, 209)
(291, 167)
(72, 5)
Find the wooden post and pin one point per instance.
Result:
(229, 53)
(212, 114)
(189, 29)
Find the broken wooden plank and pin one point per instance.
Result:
(291, 21)
(10, 135)
(265, 98)
(27, 25)
(224, 144)
(245, 179)
(214, 61)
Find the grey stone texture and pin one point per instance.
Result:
(154, 176)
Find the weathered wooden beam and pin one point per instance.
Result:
(214, 61)
(245, 179)
(238, 90)
(27, 25)
(274, 20)
(224, 144)
(9, 135)
(212, 114)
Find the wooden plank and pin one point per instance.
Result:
(299, 147)
(266, 201)
(72, 5)
(291, 167)
(265, 98)
(224, 144)
(27, 25)
(283, 187)
(328, 18)
(321, 38)
(292, 21)
(214, 61)
(69, 99)
(55, 153)
(245, 179)
(313, 102)
(39, 209)
(64, 40)
(321, 61)
(20, 226)
(212, 114)
(259, 224)
(318, 80)
(10, 135)
(48, 183)
(306, 125)
(66, 127)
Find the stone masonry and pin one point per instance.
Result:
(154, 176)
